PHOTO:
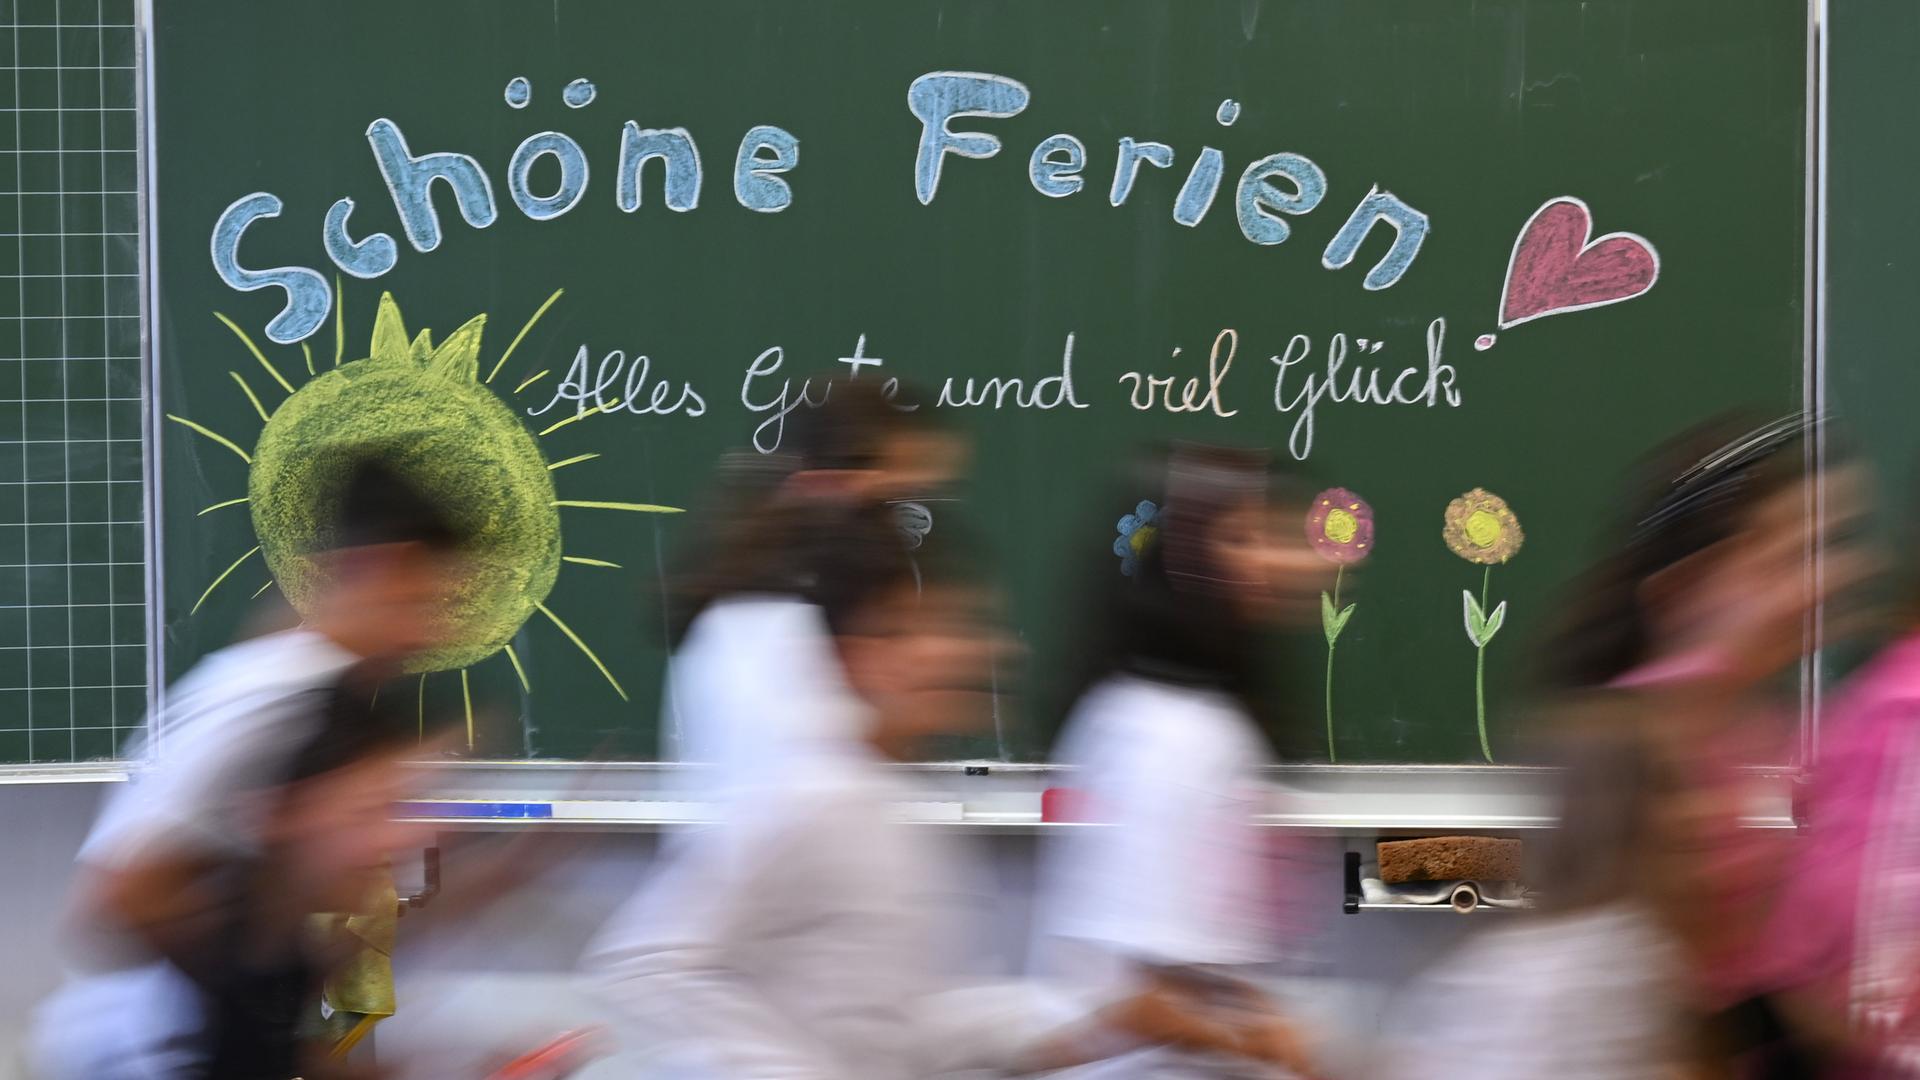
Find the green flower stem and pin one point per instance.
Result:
(1332, 757)
(1480, 675)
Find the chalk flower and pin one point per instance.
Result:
(1137, 531)
(1340, 526)
(1481, 528)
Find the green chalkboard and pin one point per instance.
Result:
(1483, 134)
(1873, 233)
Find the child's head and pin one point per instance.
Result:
(866, 444)
(860, 450)
(1717, 557)
(1229, 537)
(390, 556)
(1228, 562)
(915, 639)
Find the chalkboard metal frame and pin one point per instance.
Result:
(995, 797)
(1340, 798)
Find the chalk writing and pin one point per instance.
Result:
(1362, 385)
(1147, 389)
(619, 383)
(1269, 190)
(1047, 393)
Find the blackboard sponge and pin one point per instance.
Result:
(1449, 858)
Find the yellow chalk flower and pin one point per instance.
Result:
(1482, 529)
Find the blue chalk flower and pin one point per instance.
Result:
(1137, 530)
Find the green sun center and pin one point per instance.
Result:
(453, 438)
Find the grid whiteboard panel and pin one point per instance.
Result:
(72, 555)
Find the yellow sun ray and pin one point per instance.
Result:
(574, 460)
(590, 562)
(514, 658)
(248, 390)
(221, 506)
(255, 350)
(214, 435)
(531, 379)
(223, 576)
(261, 589)
(306, 351)
(607, 407)
(339, 321)
(638, 508)
(466, 695)
(582, 646)
(502, 362)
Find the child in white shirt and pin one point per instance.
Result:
(804, 937)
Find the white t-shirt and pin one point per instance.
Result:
(1179, 874)
(1586, 996)
(1175, 871)
(229, 729)
(804, 939)
(755, 681)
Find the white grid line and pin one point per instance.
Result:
(66, 415)
(24, 401)
(20, 211)
(113, 655)
(81, 646)
(68, 606)
(44, 442)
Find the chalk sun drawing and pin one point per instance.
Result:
(428, 405)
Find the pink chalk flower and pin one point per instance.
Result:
(1340, 526)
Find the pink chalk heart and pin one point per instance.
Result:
(1555, 268)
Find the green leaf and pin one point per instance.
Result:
(1340, 621)
(1331, 621)
(1476, 619)
(1493, 622)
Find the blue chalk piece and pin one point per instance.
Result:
(455, 809)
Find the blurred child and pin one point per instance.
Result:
(221, 751)
(1168, 750)
(1590, 987)
(751, 670)
(1843, 952)
(1687, 632)
(231, 949)
(802, 939)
